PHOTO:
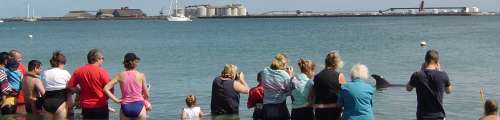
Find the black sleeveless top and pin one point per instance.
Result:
(326, 86)
(225, 99)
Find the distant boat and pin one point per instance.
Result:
(1, 21)
(30, 20)
(28, 17)
(177, 17)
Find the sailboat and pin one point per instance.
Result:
(1, 21)
(177, 17)
(30, 18)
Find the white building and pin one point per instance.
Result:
(210, 11)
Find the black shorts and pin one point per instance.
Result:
(54, 99)
(305, 113)
(275, 112)
(328, 113)
(11, 109)
(257, 113)
(96, 113)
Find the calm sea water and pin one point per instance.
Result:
(183, 58)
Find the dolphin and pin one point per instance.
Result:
(380, 82)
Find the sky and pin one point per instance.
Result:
(12, 8)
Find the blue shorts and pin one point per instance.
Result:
(132, 109)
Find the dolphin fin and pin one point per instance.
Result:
(380, 82)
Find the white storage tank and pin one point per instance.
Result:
(229, 11)
(242, 11)
(475, 9)
(234, 11)
(210, 11)
(467, 10)
(201, 11)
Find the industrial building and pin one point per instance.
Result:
(126, 12)
(79, 14)
(211, 11)
(122, 12)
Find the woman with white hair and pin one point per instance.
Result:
(356, 96)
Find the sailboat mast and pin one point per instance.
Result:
(170, 9)
(28, 8)
(176, 12)
(176, 6)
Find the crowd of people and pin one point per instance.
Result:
(327, 95)
(53, 94)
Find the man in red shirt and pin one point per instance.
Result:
(91, 78)
(256, 97)
(16, 54)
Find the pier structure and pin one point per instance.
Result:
(422, 9)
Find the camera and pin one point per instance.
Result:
(237, 76)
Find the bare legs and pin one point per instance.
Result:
(61, 113)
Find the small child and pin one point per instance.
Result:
(11, 87)
(14, 77)
(490, 110)
(192, 111)
(255, 98)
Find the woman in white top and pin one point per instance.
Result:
(192, 111)
(55, 104)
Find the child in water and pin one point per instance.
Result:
(10, 88)
(255, 98)
(490, 110)
(191, 111)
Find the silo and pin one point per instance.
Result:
(211, 11)
(201, 11)
(234, 11)
(475, 9)
(467, 10)
(229, 11)
(242, 11)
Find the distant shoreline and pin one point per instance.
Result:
(244, 17)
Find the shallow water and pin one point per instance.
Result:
(183, 58)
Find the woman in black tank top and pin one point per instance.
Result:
(226, 91)
(326, 87)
